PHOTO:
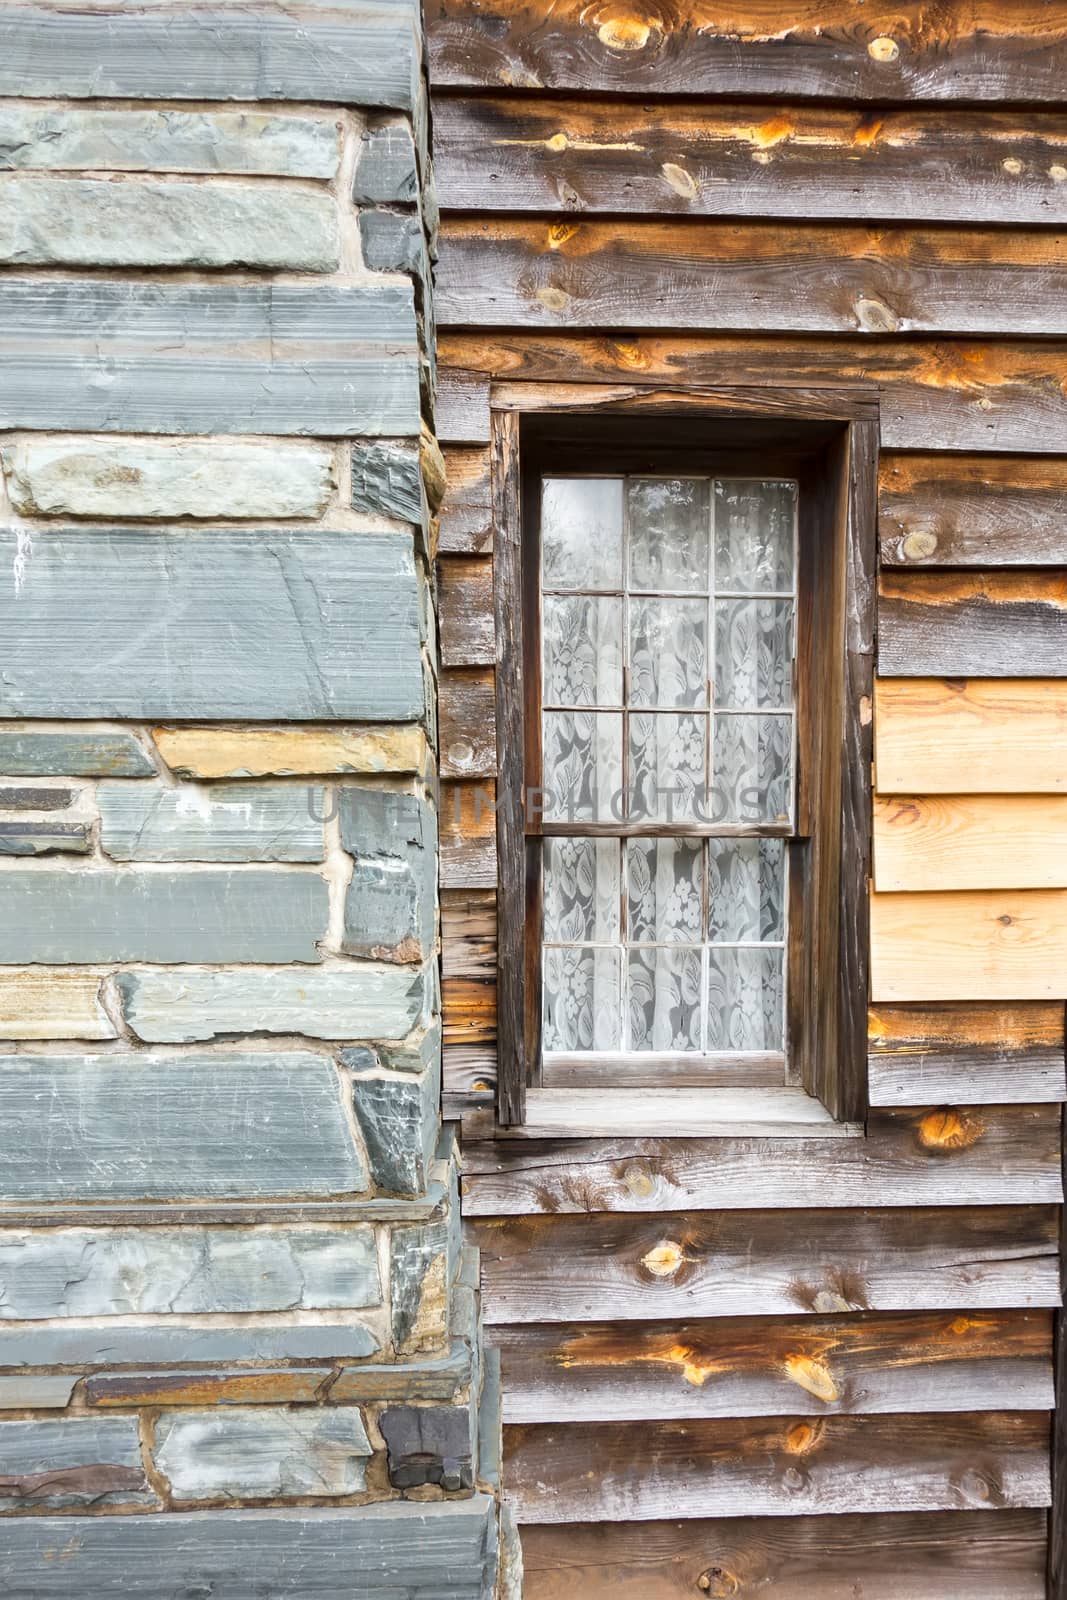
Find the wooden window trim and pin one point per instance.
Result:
(829, 439)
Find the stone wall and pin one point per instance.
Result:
(231, 1277)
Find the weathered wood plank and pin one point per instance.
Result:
(980, 51)
(699, 158)
(465, 611)
(468, 835)
(972, 511)
(987, 624)
(787, 1466)
(962, 1555)
(745, 1263)
(982, 1054)
(970, 842)
(462, 411)
(467, 722)
(948, 1155)
(466, 513)
(976, 737)
(767, 277)
(994, 944)
(755, 1366)
(708, 1113)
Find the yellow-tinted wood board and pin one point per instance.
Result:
(1000, 944)
(998, 841)
(970, 736)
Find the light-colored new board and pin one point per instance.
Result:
(929, 842)
(977, 944)
(970, 736)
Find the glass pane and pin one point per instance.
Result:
(665, 892)
(669, 533)
(745, 998)
(746, 879)
(668, 652)
(754, 534)
(665, 986)
(667, 766)
(583, 651)
(581, 891)
(582, 1000)
(581, 533)
(753, 653)
(752, 769)
(582, 765)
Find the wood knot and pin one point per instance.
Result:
(719, 1583)
(1012, 165)
(560, 233)
(920, 545)
(803, 1438)
(883, 49)
(624, 33)
(638, 1182)
(874, 316)
(553, 299)
(664, 1259)
(681, 182)
(461, 753)
(948, 1129)
(631, 355)
(814, 1377)
(558, 142)
(1057, 173)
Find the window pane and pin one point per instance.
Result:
(583, 765)
(667, 766)
(582, 1000)
(581, 533)
(752, 769)
(745, 998)
(668, 652)
(746, 879)
(665, 988)
(665, 893)
(583, 651)
(669, 533)
(581, 891)
(753, 653)
(754, 534)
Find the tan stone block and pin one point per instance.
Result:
(52, 1004)
(286, 752)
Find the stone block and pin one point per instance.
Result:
(263, 1386)
(39, 1003)
(73, 139)
(26, 799)
(215, 914)
(399, 1115)
(144, 1126)
(137, 222)
(104, 1272)
(257, 625)
(174, 1341)
(390, 907)
(145, 356)
(429, 1444)
(334, 1003)
(226, 822)
(128, 477)
(387, 171)
(44, 1392)
(32, 838)
(394, 241)
(71, 753)
(418, 1285)
(386, 479)
(92, 1461)
(291, 752)
(259, 1453)
(413, 1054)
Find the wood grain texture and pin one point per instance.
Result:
(785, 1466)
(466, 520)
(984, 1054)
(996, 944)
(947, 1155)
(468, 835)
(1000, 841)
(467, 723)
(981, 51)
(972, 511)
(745, 1263)
(757, 277)
(699, 158)
(708, 1113)
(755, 1366)
(465, 611)
(983, 624)
(962, 1555)
(462, 410)
(960, 737)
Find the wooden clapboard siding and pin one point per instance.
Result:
(698, 158)
(468, 835)
(465, 610)
(767, 1367)
(607, 1267)
(1000, 841)
(969, 945)
(985, 1054)
(466, 524)
(959, 1555)
(989, 624)
(935, 737)
(468, 997)
(972, 511)
(467, 723)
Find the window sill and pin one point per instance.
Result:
(713, 1113)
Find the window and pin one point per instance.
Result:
(683, 828)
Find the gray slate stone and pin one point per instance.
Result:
(50, 915)
(396, 1551)
(429, 1444)
(92, 1461)
(102, 1272)
(219, 822)
(43, 1393)
(396, 242)
(180, 1007)
(175, 1341)
(387, 171)
(160, 1126)
(28, 799)
(137, 222)
(418, 1280)
(256, 1453)
(390, 907)
(144, 356)
(28, 838)
(71, 138)
(386, 478)
(399, 1118)
(413, 1054)
(35, 753)
(257, 626)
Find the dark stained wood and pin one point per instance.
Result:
(465, 610)
(745, 1263)
(972, 511)
(467, 822)
(466, 512)
(467, 722)
(702, 158)
(981, 50)
(986, 1054)
(985, 624)
(754, 277)
(785, 1466)
(961, 1555)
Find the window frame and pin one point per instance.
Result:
(828, 440)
